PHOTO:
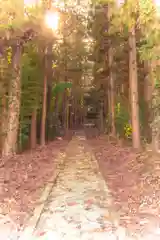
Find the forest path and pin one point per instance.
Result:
(79, 206)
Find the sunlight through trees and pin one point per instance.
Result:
(85, 43)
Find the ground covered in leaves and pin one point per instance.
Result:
(134, 182)
(23, 177)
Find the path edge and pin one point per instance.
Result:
(120, 232)
(93, 157)
(28, 230)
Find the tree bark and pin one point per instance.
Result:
(112, 92)
(33, 136)
(10, 142)
(49, 93)
(109, 106)
(3, 124)
(66, 111)
(3, 103)
(44, 106)
(133, 80)
(101, 118)
(147, 98)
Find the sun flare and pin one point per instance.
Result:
(30, 3)
(52, 20)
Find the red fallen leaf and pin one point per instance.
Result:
(78, 227)
(98, 230)
(89, 201)
(41, 234)
(71, 203)
(108, 228)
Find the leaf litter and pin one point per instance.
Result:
(22, 178)
(134, 182)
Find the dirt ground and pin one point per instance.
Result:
(132, 178)
(22, 179)
(134, 182)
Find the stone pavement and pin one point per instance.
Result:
(79, 206)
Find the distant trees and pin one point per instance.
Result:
(123, 58)
(32, 63)
(34, 60)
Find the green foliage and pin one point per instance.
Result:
(60, 87)
(155, 124)
(11, 14)
(23, 134)
(32, 88)
(32, 80)
(122, 119)
(5, 76)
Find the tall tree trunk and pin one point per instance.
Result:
(133, 80)
(147, 98)
(33, 136)
(3, 122)
(48, 120)
(101, 118)
(3, 102)
(66, 112)
(155, 92)
(105, 108)
(44, 106)
(49, 93)
(10, 142)
(109, 106)
(111, 77)
(112, 92)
